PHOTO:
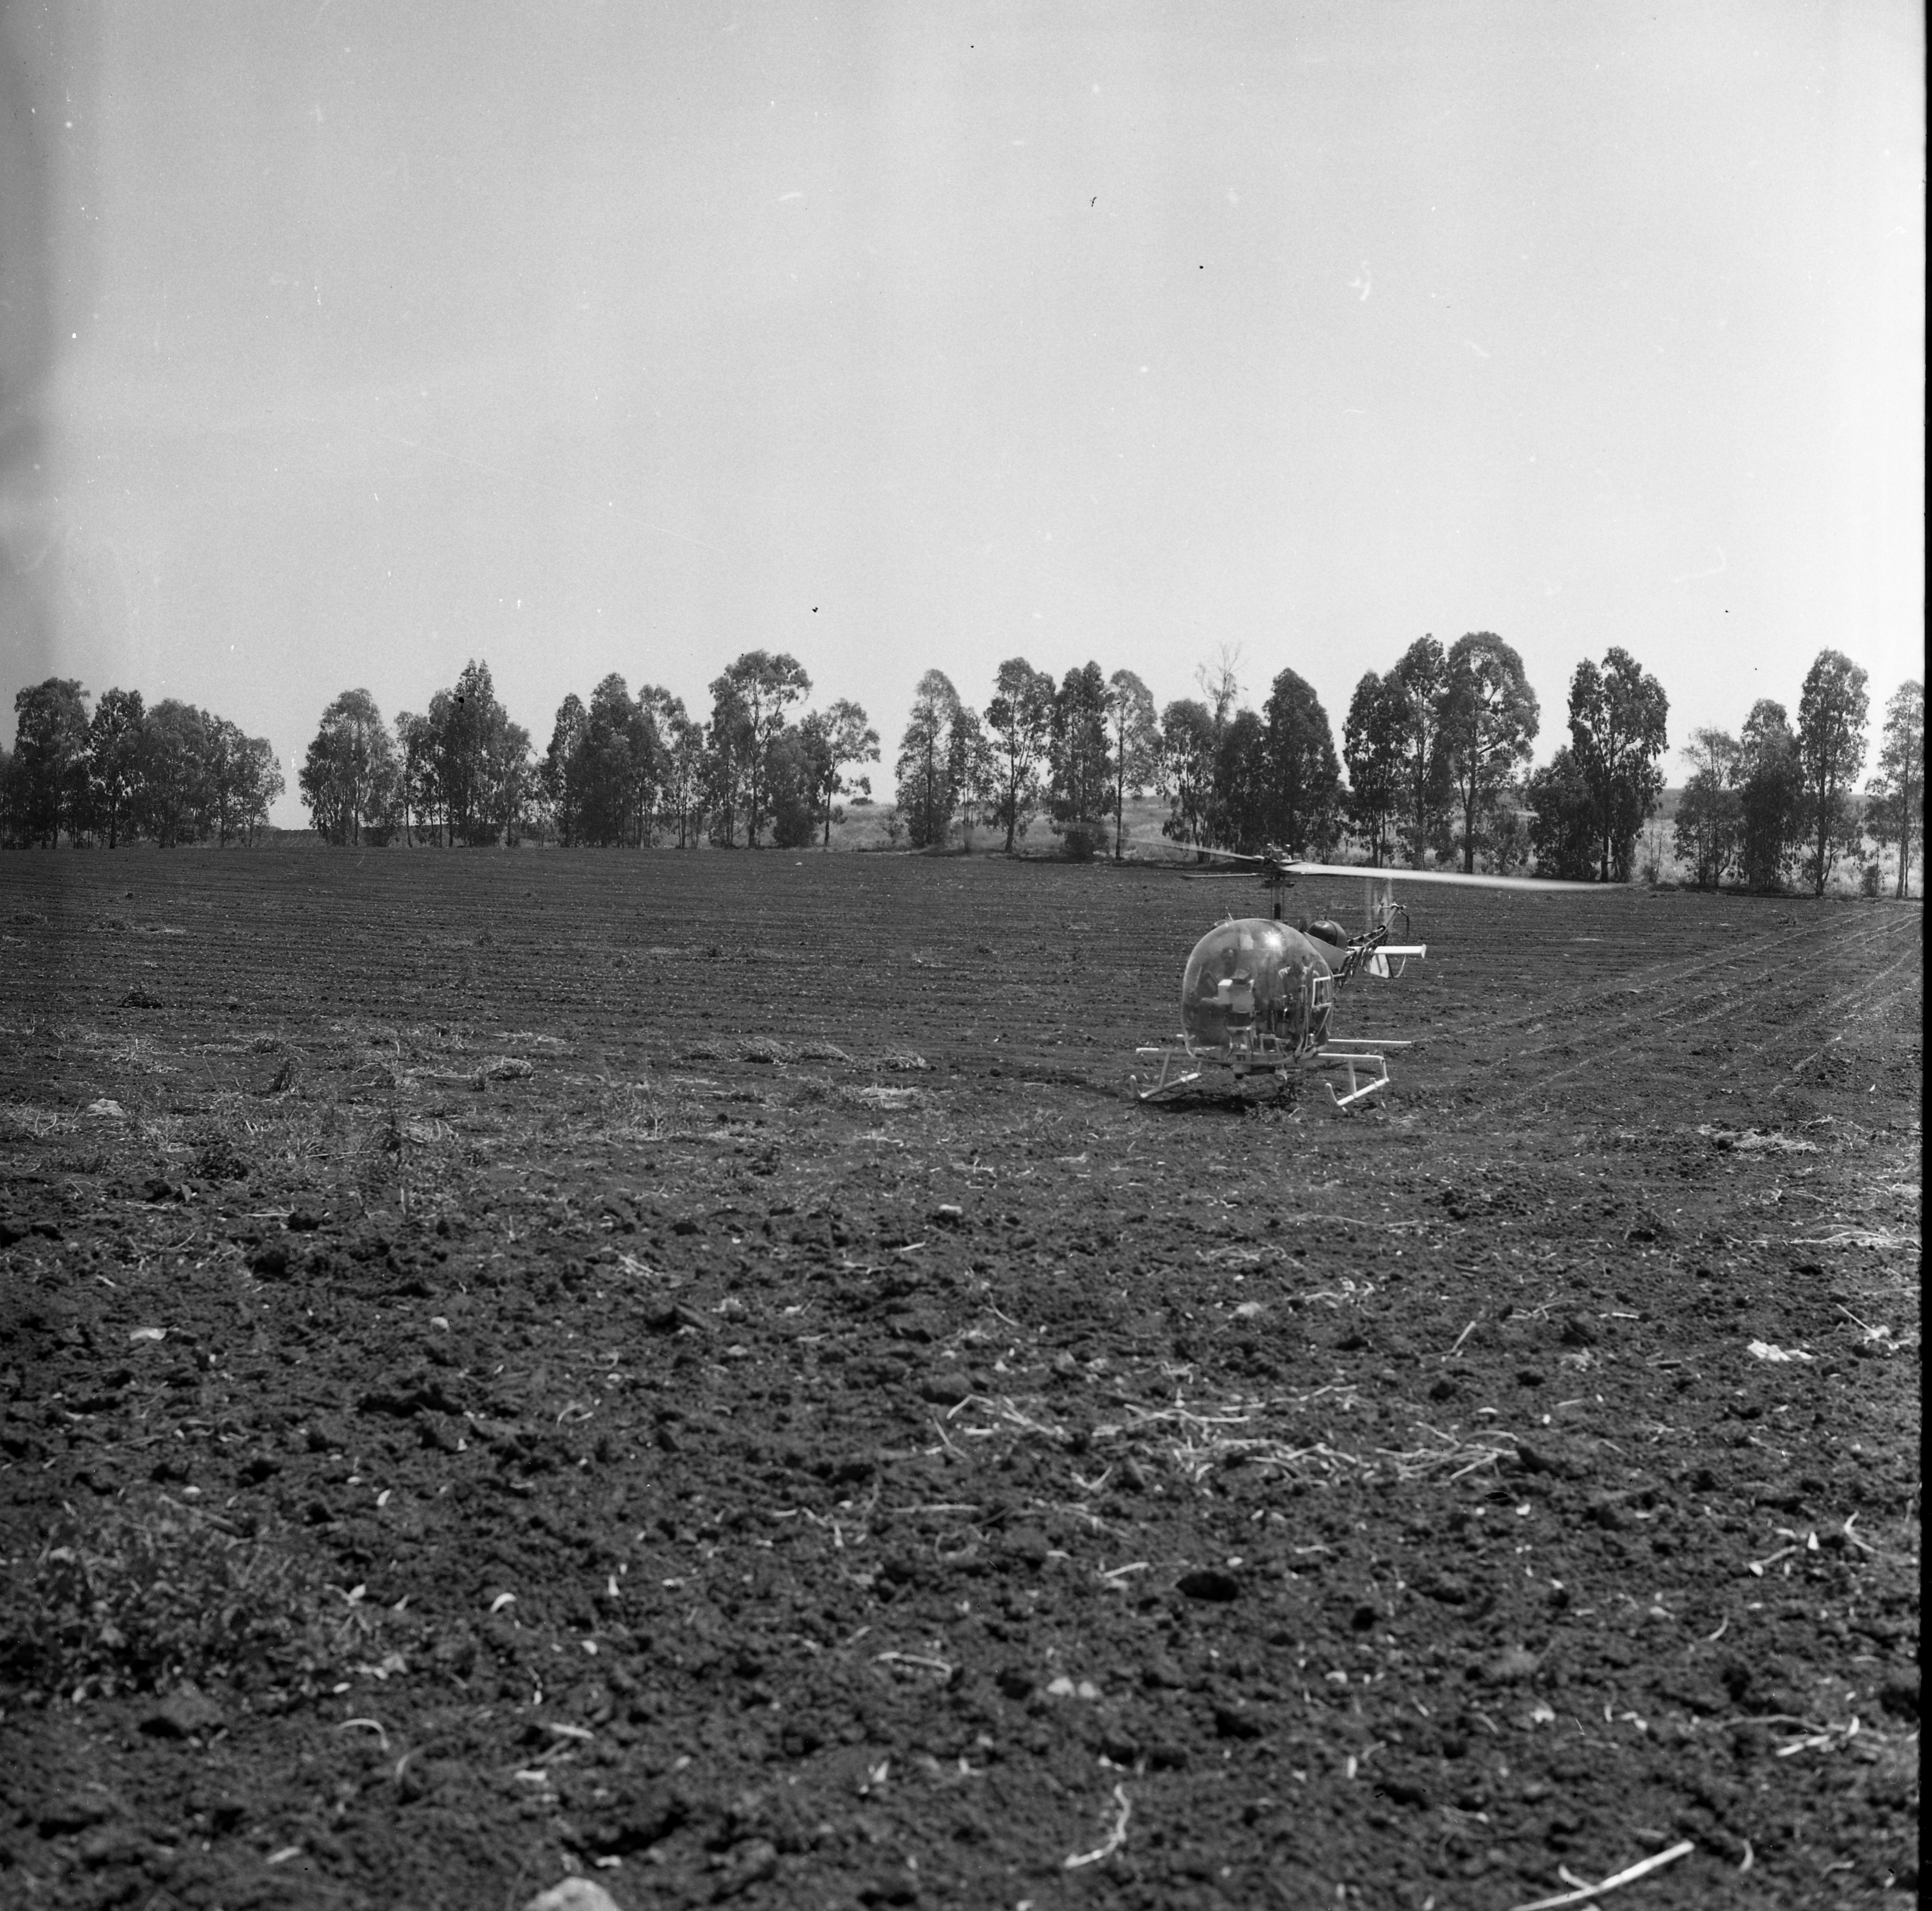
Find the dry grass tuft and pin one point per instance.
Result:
(881, 1098)
(23, 1118)
(146, 1593)
(1305, 1437)
(643, 1111)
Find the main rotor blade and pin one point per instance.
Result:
(1454, 878)
(1192, 851)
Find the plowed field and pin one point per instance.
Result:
(693, 1370)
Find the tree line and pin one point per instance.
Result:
(1431, 751)
(1074, 751)
(1774, 802)
(620, 770)
(170, 773)
(1433, 765)
(1436, 752)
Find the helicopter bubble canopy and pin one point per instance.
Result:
(1256, 986)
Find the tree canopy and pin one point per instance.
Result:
(750, 705)
(1301, 780)
(1184, 773)
(1709, 810)
(1019, 730)
(1081, 760)
(1133, 741)
(932, 762)
(171, 772)
(1895, 798)
(1419, 686)
(349, 776)
(1832, 709)
(1488, 724)
(1618, 714)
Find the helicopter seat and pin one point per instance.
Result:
(1234, 996)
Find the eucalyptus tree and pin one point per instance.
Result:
(348, 778)
(508, 783)
(1302, 779)
(1184, 769)
(1770, 797)
(687, 779)
(1080, 760)
(1019, 724)
(974, 771)
(562, 777)
(752, 698)
(480, 759)
(1133, 742)
(1710, 809)
(418, 795)
(613, 766)
(1239, 809)
(1372, 748)
(50, 764)
(727, 749)
(174, 795)
(1832, 710)
(1220, 683)
(1618, 714)
(1563, 818)
(1895, 798)
(262, 786)
(1489, 720)
(1419, 684)
(835, 738)
(657, 801)
(114, 760)
(794, 767)
(244, 780)
(607, 748)
(928, 771)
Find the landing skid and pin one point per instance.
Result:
(1181, 1068)
(1354, 1058)
(1168, 1082)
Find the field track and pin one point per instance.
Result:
(695, 1369)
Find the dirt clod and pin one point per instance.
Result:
(573, 1894)
(186, 1714)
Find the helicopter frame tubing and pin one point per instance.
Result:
(1269, 1054)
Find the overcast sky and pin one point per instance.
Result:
(343, 342)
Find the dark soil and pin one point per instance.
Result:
(694, 1370)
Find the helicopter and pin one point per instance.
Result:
(1258, 993)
